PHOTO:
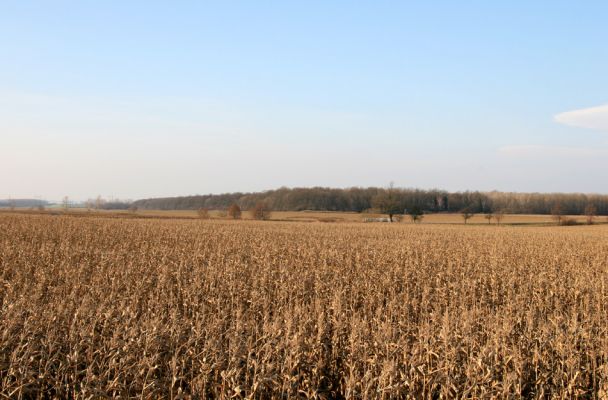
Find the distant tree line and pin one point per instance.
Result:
(99, 203)
(358, 199)
(283, 199)
(116, 205)
(22, 203)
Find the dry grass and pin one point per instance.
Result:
(330, 216)
(147, 308)
(312, 216)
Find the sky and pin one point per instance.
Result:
(138, 99)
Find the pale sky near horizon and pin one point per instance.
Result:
(136, 99)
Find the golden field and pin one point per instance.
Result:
(314, 216)
(95, 307)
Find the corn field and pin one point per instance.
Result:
(96, 307)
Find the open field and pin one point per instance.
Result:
(316, 216)
(181, 308)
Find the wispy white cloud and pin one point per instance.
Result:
(525, 151)
(592, 118)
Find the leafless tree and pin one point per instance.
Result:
(467, 214)
(416, 214)
(260, 211)
(203, 213)
(557, 213)
(489, 217)
(590, 213)
(99, 202)
(234, 211)
(387, 201)
(498, 216)
(65, 203)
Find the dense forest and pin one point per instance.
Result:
(361, 199)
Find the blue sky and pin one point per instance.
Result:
(139, 99)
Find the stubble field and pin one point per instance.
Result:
(145, 308)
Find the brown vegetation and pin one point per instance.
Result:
(498, 216)
(416, 214)
(467, 214)
(203, 213)
(590, 213)
(360, 199)
(151, 308)
(234, 211)
(388, 202)
(557, 213)
(260, 211)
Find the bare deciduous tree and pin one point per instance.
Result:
(557, 213)
(65, 203)
(498, 216)
(489, 217)
(590, 213)
(203, 213)
(234, 211)
(99, 202)
(260, 211)
(388, 202)
(467, 214)
(416, 214)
